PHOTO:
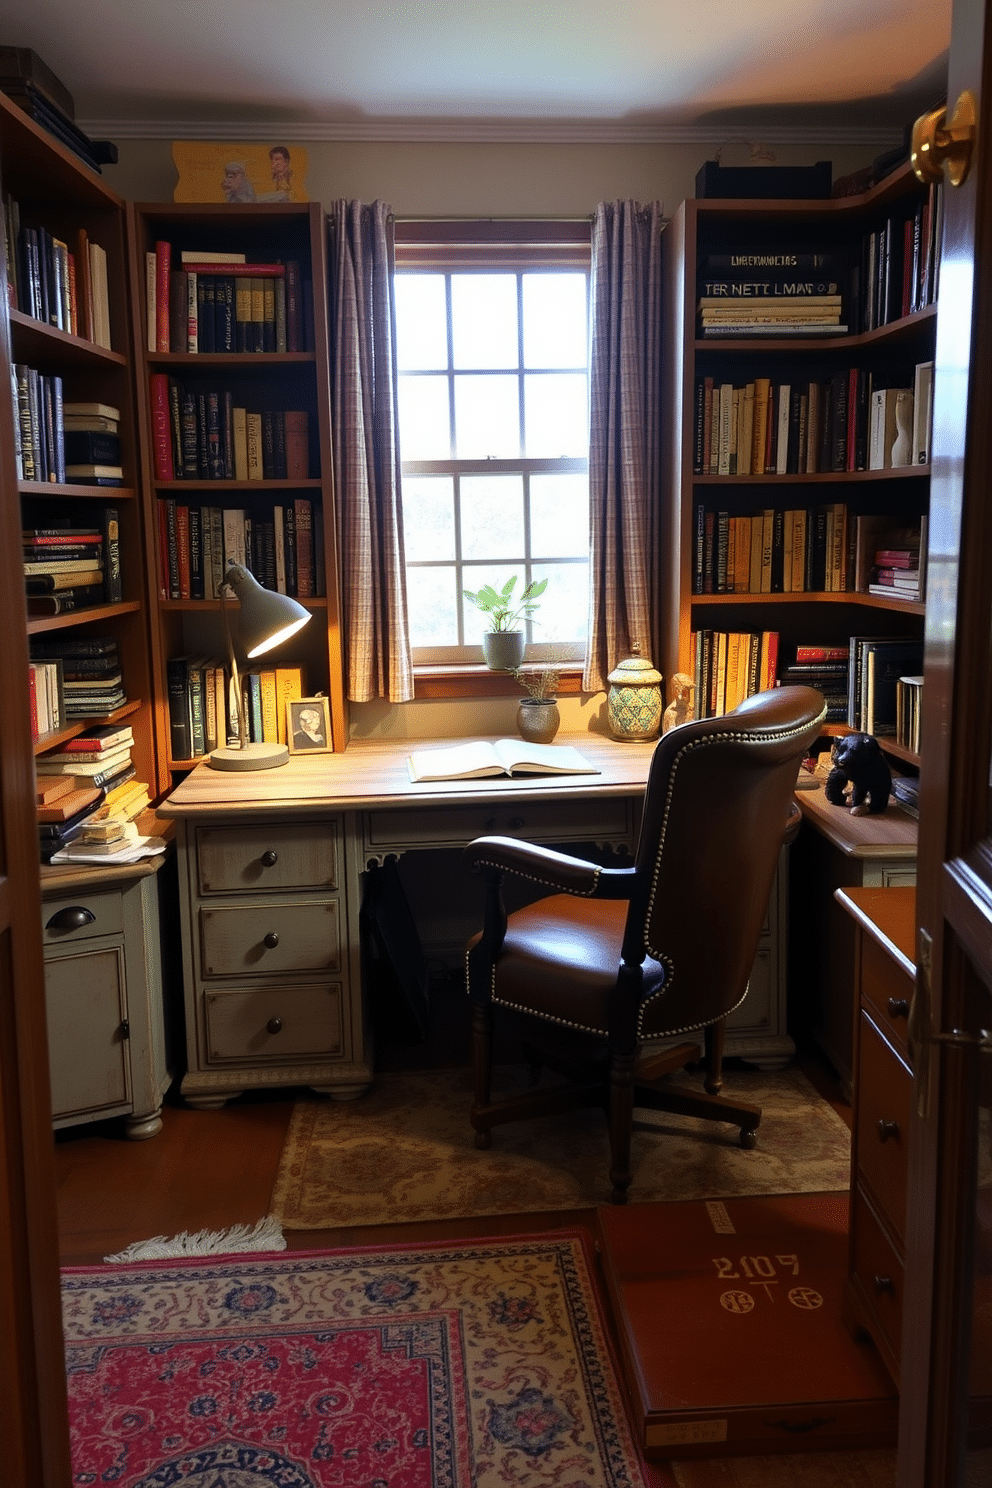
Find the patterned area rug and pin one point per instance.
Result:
(481, 1363)
(405, 1152)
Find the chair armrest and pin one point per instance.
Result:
(556, 871)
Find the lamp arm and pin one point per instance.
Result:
(239, 711)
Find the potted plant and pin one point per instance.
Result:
(538, 718)
(503, 643)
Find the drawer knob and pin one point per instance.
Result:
(885, 1286)
(271, 940)
(898, 1007)
(73, 917)
(274, 1025)
(887, 1130)
(269, 858)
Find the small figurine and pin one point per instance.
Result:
(679, 709)
(858, 758)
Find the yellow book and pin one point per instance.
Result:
(270, 710)
(289, 687)
(762, 390)
(253, 424)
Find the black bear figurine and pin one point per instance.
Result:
(857, 758)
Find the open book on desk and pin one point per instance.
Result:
(506, 757)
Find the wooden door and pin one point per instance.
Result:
(947, 1337)
(34, 1438)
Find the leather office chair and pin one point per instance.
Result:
(617, 959)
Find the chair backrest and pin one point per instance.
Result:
(715, 815)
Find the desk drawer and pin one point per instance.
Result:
(884, 1097)
(270, 938)
(878, 1274)
(60, 917)
(584, 820)
(302, 855)
(273, 1024)
(887, 990)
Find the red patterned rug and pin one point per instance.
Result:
(445, 1365)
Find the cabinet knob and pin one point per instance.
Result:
(271, 940)
(887, 1130)
(884, 1285)
(898, 1007)
(274, 1025)
(73, 917)
(269, 858)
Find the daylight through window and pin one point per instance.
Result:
(494, 439)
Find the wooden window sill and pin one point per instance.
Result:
(471, 681)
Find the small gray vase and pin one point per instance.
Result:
(503, 649)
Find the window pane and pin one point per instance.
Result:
(487, 418)
(556, 415)
(555, 326)
(432, 605)
(421, 322)
(559, 516)
(484, 320)
(475, 622)
(425, 422)
(564, 612)
(492, 512)
(429, 517)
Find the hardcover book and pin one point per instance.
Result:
(480, 758)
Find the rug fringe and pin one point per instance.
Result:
(265, 1235)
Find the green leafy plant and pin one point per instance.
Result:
(505, 610)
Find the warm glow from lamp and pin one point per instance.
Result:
(266, 620)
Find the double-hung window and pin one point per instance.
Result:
(492, 347)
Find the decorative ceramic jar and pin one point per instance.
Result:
(538, 720)
(634, 702)
(503, 649)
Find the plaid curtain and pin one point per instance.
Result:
(366, 454)
(624, 436)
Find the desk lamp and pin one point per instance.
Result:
(266, 620)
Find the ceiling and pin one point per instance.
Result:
(409, 68)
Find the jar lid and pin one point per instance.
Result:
(635, 671)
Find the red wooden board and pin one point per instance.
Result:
(729, 1319)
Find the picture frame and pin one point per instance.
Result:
(218, 171)
(303, 736)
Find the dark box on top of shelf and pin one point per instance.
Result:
(771, 182)
(20, 66)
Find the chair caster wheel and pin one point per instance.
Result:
(749, 1139)
(483, 1140)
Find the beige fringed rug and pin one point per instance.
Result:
(405, 1152)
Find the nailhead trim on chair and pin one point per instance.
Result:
(547, 882)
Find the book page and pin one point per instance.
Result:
(521, 758)
(461, 762)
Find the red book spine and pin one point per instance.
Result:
(158, 384)
(163, 268)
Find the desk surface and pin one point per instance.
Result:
(371, 774)
(889, 834)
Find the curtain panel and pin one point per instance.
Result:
(624, 436)
(366, 454)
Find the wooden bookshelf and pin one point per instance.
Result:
(185, 621)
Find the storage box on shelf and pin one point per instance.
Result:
(231, 344)
(66, 258)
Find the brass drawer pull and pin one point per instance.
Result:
(271, 940)
(269, 858)
(887, 1129)
(274, 1025)
(73, 917)
(898, 1007)
(885, 1286)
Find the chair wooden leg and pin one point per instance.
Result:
(621, 1117)
(482, 1066)
(713, 1038)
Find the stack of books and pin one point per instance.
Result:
(890, 560)
(786, 294)
(63, 806)
(825, 668)
(98, 759)
(91, 669)
(63, 568)
(92, 444)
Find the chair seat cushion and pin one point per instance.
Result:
(559, 961)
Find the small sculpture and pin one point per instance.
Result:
(679, 710)
(858, 759)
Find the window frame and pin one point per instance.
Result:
(491, 245)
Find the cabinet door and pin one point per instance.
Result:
(86, 1002)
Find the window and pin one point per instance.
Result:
(494, 428)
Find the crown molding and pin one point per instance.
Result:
(490, 131)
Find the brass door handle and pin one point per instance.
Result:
(937, 144)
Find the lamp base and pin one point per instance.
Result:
(252, 757)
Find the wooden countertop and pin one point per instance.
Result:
(888, 834)
(888, 915)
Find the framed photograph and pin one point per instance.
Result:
(308, 725)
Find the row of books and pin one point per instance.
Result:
(203, 713)
(810, 425)
(730, 666)
(861, 681)
(824, 549)
(899, 266)
(92, 679)
(58, 441)
(46, 698)
(219, 302)
(909, 708)
(769, 304)
(63, 284)
(282, 546)
(198, 433)
(69, 567)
